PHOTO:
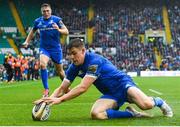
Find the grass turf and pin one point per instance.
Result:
(16, 104)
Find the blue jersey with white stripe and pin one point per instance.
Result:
(49, 36)
(108, 78)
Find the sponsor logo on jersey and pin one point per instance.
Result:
(80, 72)
(92, 68)
(50, 28)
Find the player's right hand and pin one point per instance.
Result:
(52, 100)
(25, 44)
(55, 26)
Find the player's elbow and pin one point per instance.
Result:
(82, 89)
(67, 32)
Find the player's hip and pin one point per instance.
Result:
(119, 93)
(50, 50)
(51, 47)
(55, 55)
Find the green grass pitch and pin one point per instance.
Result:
(16, 104)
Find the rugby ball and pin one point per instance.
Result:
(41, 112)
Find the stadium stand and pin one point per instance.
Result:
(1, 58)
(4, 43)
(74, 14)
(6, 15)
(171, 52)
(28, 12)
(116, 25)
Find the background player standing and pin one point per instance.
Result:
(50, 27)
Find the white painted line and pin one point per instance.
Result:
(154, 91)
(14, 104)
(19, 104)
(11, 85)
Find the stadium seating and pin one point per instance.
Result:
(4, 43)
(73, 13)
(116, 24)
(1, 58)
(28, 13)
(6, 15)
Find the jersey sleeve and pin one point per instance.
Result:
(94, 68)
(59, 22)
(72, 72)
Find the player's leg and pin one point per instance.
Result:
(57, 59)
(136, 96)
(145, 102)
(60, 70)
(106, 109)
(44, 73)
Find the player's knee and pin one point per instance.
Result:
(147, 104)
(60, 72)
(98, 115)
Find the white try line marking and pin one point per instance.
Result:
(154, 91)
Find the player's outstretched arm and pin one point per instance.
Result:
(29, 37)
(75, 92)
(62, 89)
(58, 92)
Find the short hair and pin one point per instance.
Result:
(77, 43)
(45, 5)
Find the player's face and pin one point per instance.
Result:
(77, 55)
(46, 12)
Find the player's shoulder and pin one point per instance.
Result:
(56, 17)
(38, 19)
(95, 58)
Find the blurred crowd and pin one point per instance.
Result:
(22, 68)
(117, 24)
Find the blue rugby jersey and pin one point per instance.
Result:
(108, 78)
(49, 36)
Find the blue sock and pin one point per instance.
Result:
(158, 101)
(44, 78)
(118, 114)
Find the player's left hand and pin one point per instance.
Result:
(52, 100)
(55, 26)
(38, 101)
(24, 45)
